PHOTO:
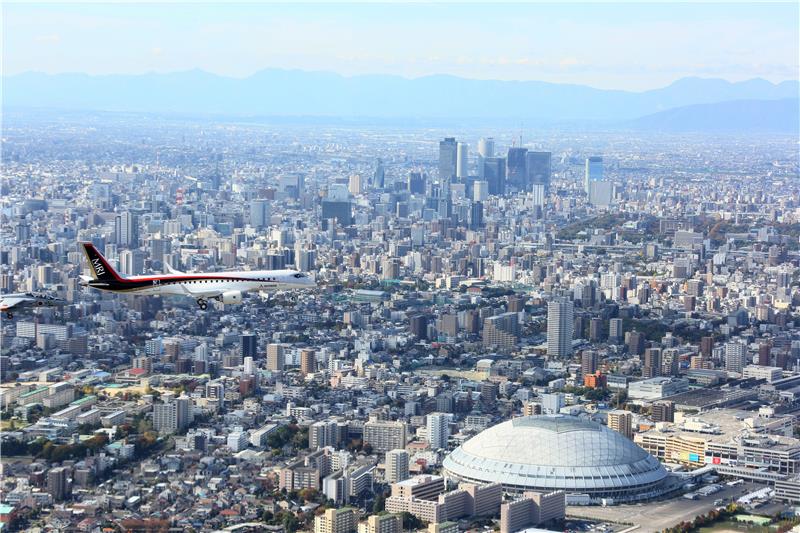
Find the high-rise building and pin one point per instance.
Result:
(131, 262)
(615, 332)
(652, 363)
(259, 213)
(517, 169)
(448, 157)
(593, 172)
(588, 362)
(418, 326)
(621, 422)
(379, 176)
(275, 357)
(308, 361)
(355, 185)
(126, 230)
(539, 169)
(438, 425)
(58, 483)
(486, 147)
(385, 435)
(560, 326)
(249, 345)
(663, 412)
(173, 415)
(339, 210)
(735, 356)
(462, 160)
(494, 173)
(707, 346)
(501, 330)
(635, 342)
(396, 465)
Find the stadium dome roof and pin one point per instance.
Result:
(556, 452)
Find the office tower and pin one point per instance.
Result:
(494, 173)
(486, 147)
(438, 425)
(249, 366)
(588, 362)
(418, 326)
(621, 422)
(343, 520)
(707, 346)
(476, 216)
(552, 403)
(501, 331)
(601, 193)
(480, 191)
(517, 169)
(126, 230)
(615, 333)
(275, 357)
(131, 262)
(308, 361)
(636, 343)
(383, 523)
(379, 176)
(559, 327)
(735, 356)
(354, 185)
(259, 213)
(249, 345)
(385, 435)
(304, 259)
(448, 157)
(396, 465)
(462, 160)
(652, 363)
(539, 169)
(593, 172)
(663, 412)
(340, 210)
(416, 183)
(58, 485)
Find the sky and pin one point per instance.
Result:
(631, 45)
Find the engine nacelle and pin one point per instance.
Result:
(232, 297)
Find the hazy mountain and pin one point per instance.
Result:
(276, 92)
(738, 115)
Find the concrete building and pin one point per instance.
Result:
(533, 509)
(396, 466)
(342, 520)
(385, 435)
(559, 328)
(621, 422)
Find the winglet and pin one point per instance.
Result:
(172, 270)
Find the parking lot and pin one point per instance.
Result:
(659, 515)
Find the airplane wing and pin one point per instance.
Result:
(7, 303)
(199, 293)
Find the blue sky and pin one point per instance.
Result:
(632, 45)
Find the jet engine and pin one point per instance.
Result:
(232, 297)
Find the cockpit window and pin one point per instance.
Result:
(299, 275)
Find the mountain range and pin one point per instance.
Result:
(287, 93)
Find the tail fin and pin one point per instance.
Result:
(98, 264)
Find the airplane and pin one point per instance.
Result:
(226, 287)
(26, 299)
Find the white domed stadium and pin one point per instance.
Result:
(557, 452)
